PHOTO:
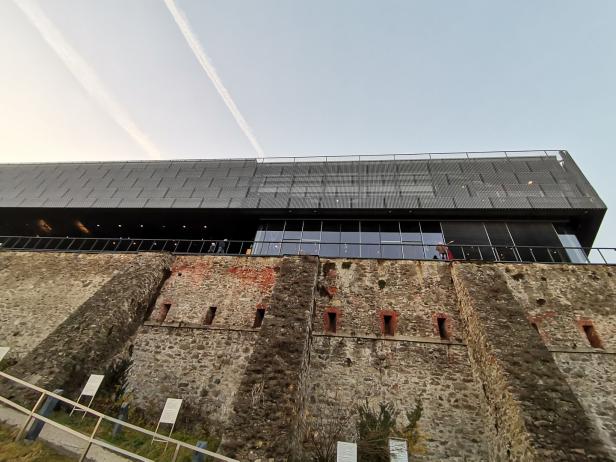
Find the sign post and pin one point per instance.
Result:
(168, 416)
(346, 452)
(89, 390)
(398, 450)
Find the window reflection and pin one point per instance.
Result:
(432, 235)
(412, 247)
(370, 240)
(390, 240)
(349, 238)
(470, 240)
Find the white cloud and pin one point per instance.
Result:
(85, 75)
(209, 69)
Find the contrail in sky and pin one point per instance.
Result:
(85, 75)
(209, 69)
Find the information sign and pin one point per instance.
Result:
(92, 385)
(171, 411)
(398, 451)
(346, 452)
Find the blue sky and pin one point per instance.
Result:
(318, 77)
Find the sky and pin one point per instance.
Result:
(118, 80)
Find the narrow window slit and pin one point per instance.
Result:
(209, 317)
(388, 324)
(164, 311)
(592, 336)
(260, 314)
(332, 320)
(443, 332)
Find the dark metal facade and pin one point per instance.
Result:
(543, 180)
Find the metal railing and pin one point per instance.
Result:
(384, 250)
(91, 438)
(469, 155)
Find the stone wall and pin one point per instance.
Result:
(266, 414)
(94, 332)
(39, 290)
(204, 367)
(358, 362)
(492, 387)
(235, 286)
(531, 411)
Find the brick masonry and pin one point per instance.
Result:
(494, 389)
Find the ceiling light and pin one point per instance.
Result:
(530, 182)
(141, 226)
(119, 226)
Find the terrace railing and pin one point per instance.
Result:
(385, 250)
(93, 439)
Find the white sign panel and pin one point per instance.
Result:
(171, 411)
(398, 451)
(92, 385)
(3, 352)
(346, 452)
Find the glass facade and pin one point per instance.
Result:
(450, 240)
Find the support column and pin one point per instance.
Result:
(532, 413)
(266, 413)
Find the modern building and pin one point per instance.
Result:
(503, 206)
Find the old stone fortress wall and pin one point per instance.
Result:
(500, 354)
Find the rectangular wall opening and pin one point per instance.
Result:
(442, 328)
(332, 320)
(592, 336)
(388, 324)
(164, 312)
(209, 317)
(259, 315)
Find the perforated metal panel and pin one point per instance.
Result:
(546, 180)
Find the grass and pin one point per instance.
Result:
(26, 452)
(133, 441)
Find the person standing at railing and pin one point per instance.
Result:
(444, 251)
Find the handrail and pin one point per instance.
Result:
(466, 252)
(336, 158)
(90, 439)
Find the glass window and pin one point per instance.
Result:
(501, 241)
(370, 239)
(257, 248)
(293, 230)
(535, 241)
(432, 235)
(273, 237)
(411, 237)
(349, 236)
(467, 240)
(311, 236)
(390, 240)
(572, 247)
(330, 239)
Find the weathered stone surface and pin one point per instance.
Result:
(202, 366)
(94, 332)
(235, 286)
(532, 412)
(494, 390)
(265, 420)
(39, 290)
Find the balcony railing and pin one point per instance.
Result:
(388, 250)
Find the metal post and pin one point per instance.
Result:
(601, 253)
(123, 416)
(29, 418)
(175, 453)
(89, 445)
(46, 410)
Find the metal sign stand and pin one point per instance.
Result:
(90, 389)
(168, 416)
